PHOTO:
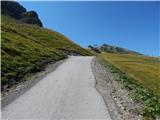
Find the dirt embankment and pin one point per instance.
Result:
(119, 104)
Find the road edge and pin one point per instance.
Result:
(102, 87)
(23, 87)
(111, 91)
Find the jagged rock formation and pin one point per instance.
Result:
(31, 17)
(12, 9)
(15, 10)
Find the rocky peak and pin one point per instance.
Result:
(12, 9)
(17, 11)
(31, 17)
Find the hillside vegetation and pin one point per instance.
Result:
(26, 49)
(146, 70)
(141, 76)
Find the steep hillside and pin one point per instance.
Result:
(27, 48)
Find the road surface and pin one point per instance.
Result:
(67, 93)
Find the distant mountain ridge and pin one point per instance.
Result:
(15, 10)
(112, 49)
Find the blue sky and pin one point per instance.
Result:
(132, 25)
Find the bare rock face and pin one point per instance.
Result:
(12, 9)
(15, 10)
(31, 17)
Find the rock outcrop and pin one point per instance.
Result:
(17, 11)
(12, 9)
(31, 17)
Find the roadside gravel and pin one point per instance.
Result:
(19, 89)
(117, 100)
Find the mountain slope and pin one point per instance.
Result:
(112, 49)
(26, 49)
(15, 10)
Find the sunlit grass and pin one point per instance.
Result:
(146, 70)
(139, 75)
(26, 49)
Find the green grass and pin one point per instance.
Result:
(140, 76)
(146, 70)
(26, 49)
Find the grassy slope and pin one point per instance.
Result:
(145, 70)
(140, 75)
(25, 49)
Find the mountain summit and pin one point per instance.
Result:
(15, 10)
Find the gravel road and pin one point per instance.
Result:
(67, 93)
